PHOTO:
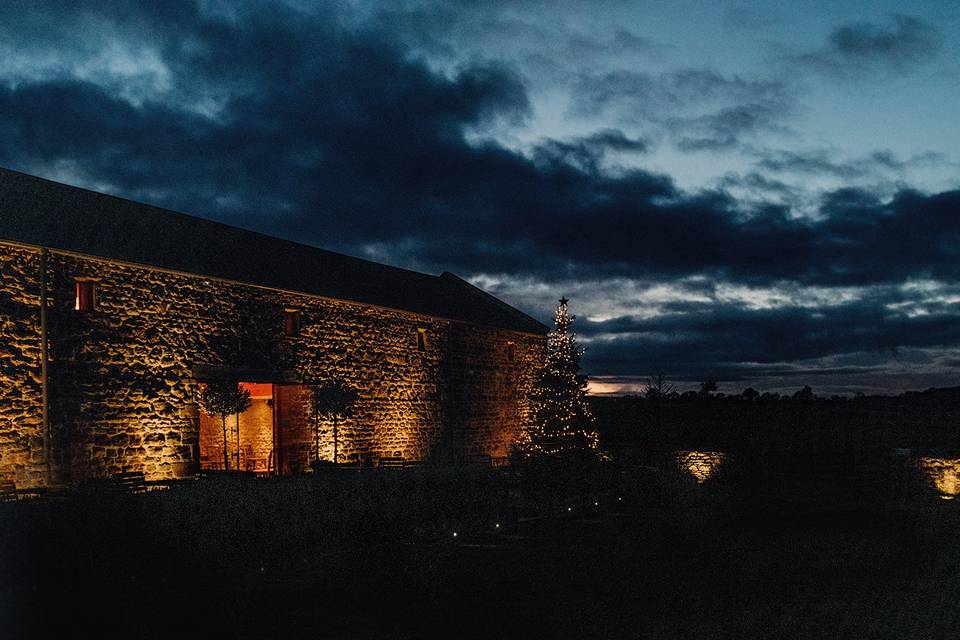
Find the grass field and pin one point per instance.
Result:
(374, 556)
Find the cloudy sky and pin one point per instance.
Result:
(764, 193)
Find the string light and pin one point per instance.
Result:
(560, 419)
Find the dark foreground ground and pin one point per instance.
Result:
(374, 556)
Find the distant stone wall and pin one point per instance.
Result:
(943, 474)
(121, 379)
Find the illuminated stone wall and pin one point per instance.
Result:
(943, 474)
(702, 465)
(122, 393)
(488, 386)
(21, 424)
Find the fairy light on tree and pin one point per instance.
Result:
(560, 419)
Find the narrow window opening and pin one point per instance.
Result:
(421, 340)
(511, 352)
(86, 298)
(291, 323)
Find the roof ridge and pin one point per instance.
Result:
(477, 291)
(209, 221)
(43, 212)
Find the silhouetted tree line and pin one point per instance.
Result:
(658, 389)
(663, 418)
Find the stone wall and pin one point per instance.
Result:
(943, 474)
(489, 381)
(21, 422)
(122, 378)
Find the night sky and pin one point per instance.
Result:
(763, 193)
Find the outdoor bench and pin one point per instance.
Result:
(8, 492)
(130, 481)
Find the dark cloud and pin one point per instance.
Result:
(707, 111)
(824, 162)
(547, 52)
(332, 127)
(726, 128)
(748, 18)
(625, 40)
(811, 163)
(339, 139)
(701, 338)
(645, 93)
(622, 44)
(319, 128)
(760, 186)
(855, 48)
(587, 153)
(616, 140)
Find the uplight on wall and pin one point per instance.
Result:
(944, 474)
(702, 465)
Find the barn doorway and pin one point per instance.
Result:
(272, 437)
(249, 436)
(293, 435)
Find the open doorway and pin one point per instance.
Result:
(293, 435)
(249, 436)
(272, 437)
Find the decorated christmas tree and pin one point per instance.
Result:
(560, 419)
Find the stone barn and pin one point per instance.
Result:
(114, 314)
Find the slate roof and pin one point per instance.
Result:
(44, 213)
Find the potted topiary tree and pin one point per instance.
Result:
(334, 401)
(225, 398)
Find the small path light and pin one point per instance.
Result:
(569, 508)
(497, 526)
(454, 534)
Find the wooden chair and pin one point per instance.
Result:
(130, 481)
(251, 463)
(211, 463)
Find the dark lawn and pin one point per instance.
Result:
(374, 557)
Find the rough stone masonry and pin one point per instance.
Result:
(122, 379)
